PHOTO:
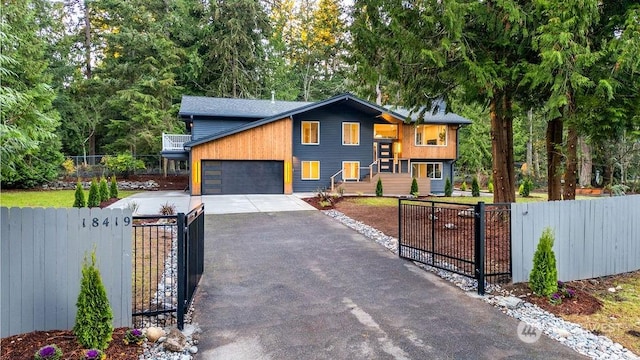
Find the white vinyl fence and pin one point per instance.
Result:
(593, 238)
(42, 253)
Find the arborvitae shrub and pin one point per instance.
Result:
(475, 187)
(490, 187)
(525, 187)
(104, 190)
(448, 189)
(93, 327)
(80, 199)
(463, 186)
(379, 187)
(113, 189)
(94, 194)
(543, 279)
(414, 187)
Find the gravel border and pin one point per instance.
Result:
(568, 333)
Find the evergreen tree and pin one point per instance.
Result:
(414, 187)
(30, 152)
(94, 194)
(475, 187)
(448, 188)
(113, 188)
(543, 279)
(379, 191)
(104, 189)
(93, 327)
(79, 195)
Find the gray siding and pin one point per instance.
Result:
(42, 255)
(207, 127)
(593, 238)
(330, 152)
(437, 185)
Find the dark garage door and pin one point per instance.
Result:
(242, 177)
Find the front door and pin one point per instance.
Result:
(385, 156)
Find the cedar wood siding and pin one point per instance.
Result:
(271, 141)
(444, 154)
(330, 152)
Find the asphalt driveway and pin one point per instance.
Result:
(299, 285)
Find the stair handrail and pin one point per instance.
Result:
(333, 179)
(371, 169)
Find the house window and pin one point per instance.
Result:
(385, 131)
(427, 170)
(350, 133)
(310, 133)
(310, 170)
(350, 170)
(431, 135)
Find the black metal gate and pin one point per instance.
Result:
(457, 237)
(168, 262)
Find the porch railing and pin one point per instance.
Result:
(174, 142)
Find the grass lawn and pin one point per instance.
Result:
(46, 199)
(619, 318)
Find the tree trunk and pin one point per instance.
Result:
(502, 148)
(571, 172)
(586, 162)
(88, 71)
(530, 145)
(554, 159)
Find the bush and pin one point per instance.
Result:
(94, 194)
(475, 187)
(448, 189)
(543, 279)
(93, 327)
(113, 189)
(463, 186)
(80, 199)
(379, 191)
(490, 187)
(104, 190)
(168, 209)
(414, 187)
(122, 164)
(525, 187)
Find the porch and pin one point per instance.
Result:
(392, 184)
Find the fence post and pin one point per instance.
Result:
(479, 243)
(182, 279)
(400, 224)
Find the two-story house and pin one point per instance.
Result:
(240, 146)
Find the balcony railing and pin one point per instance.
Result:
(174, 142)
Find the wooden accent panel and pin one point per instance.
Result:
(271, 141)
(411, 151)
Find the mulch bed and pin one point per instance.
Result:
(582, 304)
(24, 346)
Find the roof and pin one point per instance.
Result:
(436, 115)
(224, 107)
(358, 103)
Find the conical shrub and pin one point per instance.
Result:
(379, 191)
(104, 190)
(80, 200)
(543, 279)
(448, 189)
(113, 189)
(94, 194)
(475, 187)
(93, 327)
(414, 187)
